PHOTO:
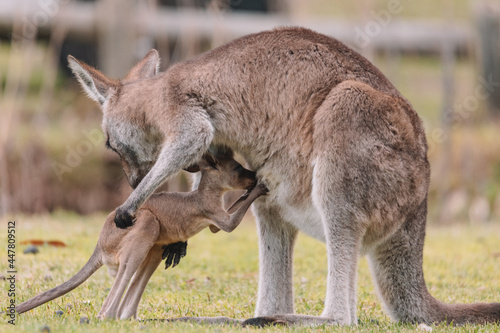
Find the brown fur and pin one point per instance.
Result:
(132, 255)
(342, 152)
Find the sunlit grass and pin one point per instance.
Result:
(220, 274)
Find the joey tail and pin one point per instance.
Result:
(92, 265)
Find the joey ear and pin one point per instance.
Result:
(209, 160)
(95, 84)
(149, 66)
(203, 165)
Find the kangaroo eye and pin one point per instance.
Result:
(239, 168)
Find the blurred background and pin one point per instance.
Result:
(443, 55)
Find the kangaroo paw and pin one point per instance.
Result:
(123, 219)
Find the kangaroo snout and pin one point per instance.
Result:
(134, 181)
(137, 174)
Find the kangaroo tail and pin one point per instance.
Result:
(396, 265)
(92, 265)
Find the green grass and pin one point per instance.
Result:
(219, 277)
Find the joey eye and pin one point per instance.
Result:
(238, 168)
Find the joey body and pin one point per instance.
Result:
(132, 255)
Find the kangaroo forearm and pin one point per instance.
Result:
(166, 165)
(174, 156)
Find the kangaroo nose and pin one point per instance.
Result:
(134, 182)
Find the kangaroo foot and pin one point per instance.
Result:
(288, 320)
(263, 322)
(208, 320)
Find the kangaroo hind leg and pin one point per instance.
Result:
(344, 230)
(370, 170)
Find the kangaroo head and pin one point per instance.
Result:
(128, 128)
(224, 172)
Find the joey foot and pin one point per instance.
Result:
(173, 253)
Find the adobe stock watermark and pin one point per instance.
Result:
(75, 154)
(220, 7)
(380, 20)
(45, 10)
(464, 109)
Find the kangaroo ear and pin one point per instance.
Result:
(147, 67)
(95, 84)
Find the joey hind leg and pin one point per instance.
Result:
(126, 271)
(130, 302)
(137, 244)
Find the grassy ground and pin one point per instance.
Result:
(219, 277)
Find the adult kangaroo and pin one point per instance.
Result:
(342, 152)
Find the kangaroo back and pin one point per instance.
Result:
(92, 265)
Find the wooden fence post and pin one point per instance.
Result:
(116, 36)
(488, 21)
